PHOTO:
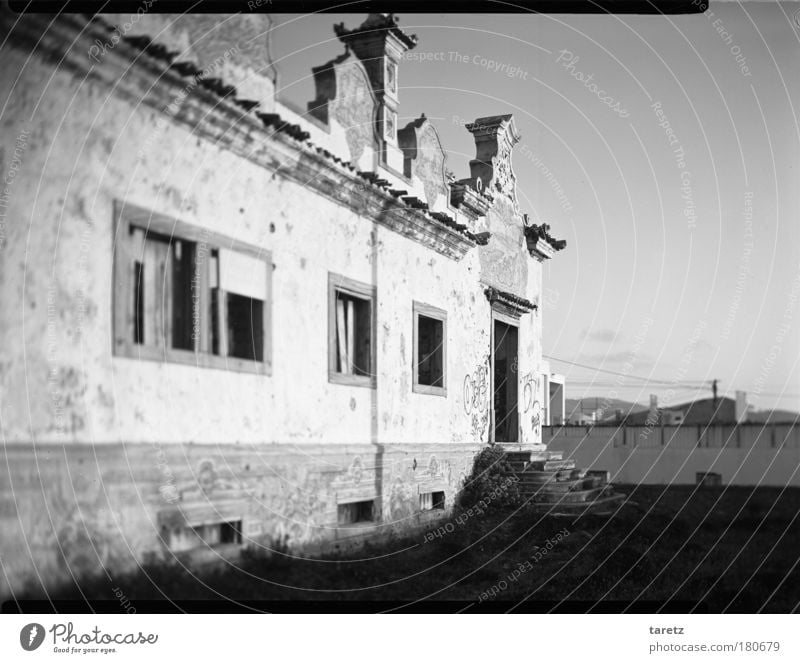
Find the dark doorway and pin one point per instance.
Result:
(506, 427)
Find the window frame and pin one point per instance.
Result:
(370, 522)
(127, 215)
(428, 311)
(348, 286)
(435, 505)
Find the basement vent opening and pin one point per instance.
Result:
(356, 512)
(431, 501)
(219, 533)
(202, 536)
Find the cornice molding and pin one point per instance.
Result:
(542, 245)
(509, 303)
(132, 72)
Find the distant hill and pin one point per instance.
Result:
(610, 406)
(698, 412)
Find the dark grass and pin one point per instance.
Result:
(648, 551)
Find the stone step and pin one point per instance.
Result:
(547, 455)
(571, 496)
(531, 488)
(534, 476)
(519, 466)
(517, 455)
(528, 455)
(549, 465)
(604, 506)
(554, 486)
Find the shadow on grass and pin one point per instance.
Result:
(722, 546)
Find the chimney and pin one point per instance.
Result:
(380, 44)
(741, 407)
(653, 414)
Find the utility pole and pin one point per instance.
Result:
(714, 411)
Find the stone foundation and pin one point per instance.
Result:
(75, 509)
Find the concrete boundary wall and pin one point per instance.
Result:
(745, 455)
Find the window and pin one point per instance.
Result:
(180, 539)
(430, 350)
(431, 501)
(187, 295)
(220, 533)
(356, 512)
(163, 308)
(237, 305)
(351, 332)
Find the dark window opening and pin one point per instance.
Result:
(164, 307)
(430, 351)
(505, 383)
(356, 512)
(245, 327)
(353, 335)
(220, 533)
(214, 322)
(230, 532)
(432, 501)
(138, 303)
(214, 302)
(183, 301)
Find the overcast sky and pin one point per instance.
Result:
(673, 179)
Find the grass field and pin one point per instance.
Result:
(732, 549)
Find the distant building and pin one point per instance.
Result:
(700, 412)
(553, 389)
(582, 418)
(672, 417)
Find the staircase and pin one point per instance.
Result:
(555, 487)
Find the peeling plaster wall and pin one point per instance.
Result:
(531, 390)
(506, 265)
(121, 443)
(88, 508)
(90, 157)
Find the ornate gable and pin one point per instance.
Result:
(345, 97)
(424, 159)
(495, 137)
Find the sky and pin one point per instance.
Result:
(664, 149)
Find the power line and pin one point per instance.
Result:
(654, 383)
(627, 375)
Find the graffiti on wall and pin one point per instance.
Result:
(476, 398)
(531, 407)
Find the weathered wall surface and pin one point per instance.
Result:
(102, 450)
(60, 380)
(86, 508)
(747, 455)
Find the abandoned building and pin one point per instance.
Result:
(230, 322)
